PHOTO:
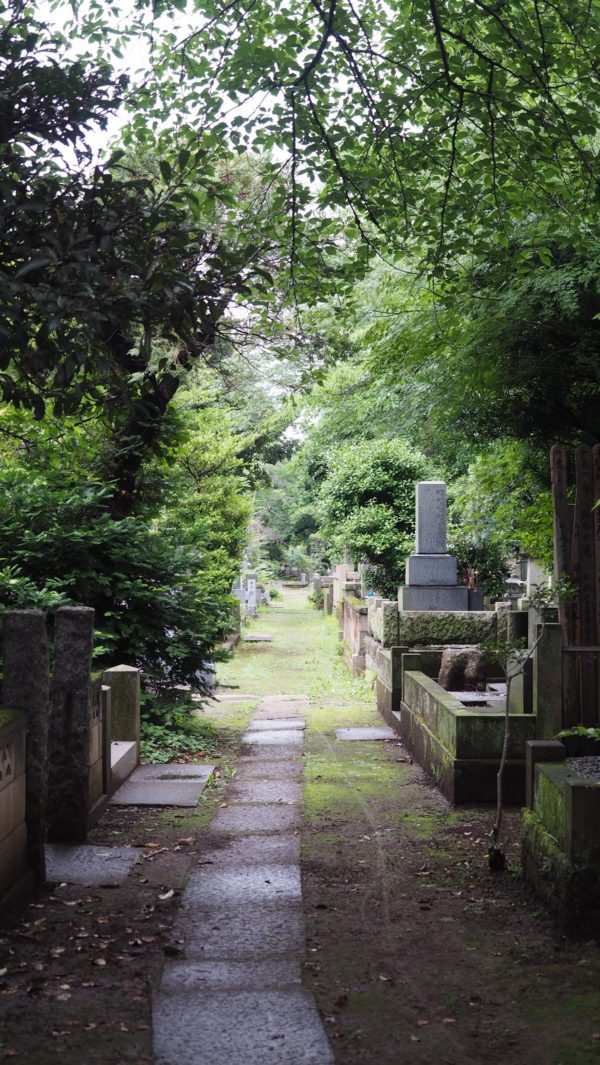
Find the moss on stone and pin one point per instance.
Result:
(422, 628)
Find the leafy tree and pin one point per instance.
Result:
(367, 504)
(435, 126)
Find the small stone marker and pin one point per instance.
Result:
(257, 637)
(93, 866)
(365, 734)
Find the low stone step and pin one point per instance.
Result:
(172, 784)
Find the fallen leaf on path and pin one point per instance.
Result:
(188, 841)
(100, 961)
(449, 1020)
(167, 895)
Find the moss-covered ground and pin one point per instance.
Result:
(415, 953)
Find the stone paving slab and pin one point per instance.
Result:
(159, 793)
(267, 724)
(275, 737)
(257, 637)
(92, 866)
(233, 697)
(269, 767)
(253, 819)
(256, 883)
(241, 933)
(269, 752)
(270, 975)
(365, 734)
(264, 791)
(249, 850)
(173, 771)
(296, 697)
(239, 1028)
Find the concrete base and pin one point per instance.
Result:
(436, 570)
(459, 779)
(415, 597)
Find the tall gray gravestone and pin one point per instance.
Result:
(431, 573)
(26, 687)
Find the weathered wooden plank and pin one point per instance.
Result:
(586, 560)
(562, 538)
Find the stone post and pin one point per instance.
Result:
(431, 518)
(124, 684)
(70, 725)
(26, 687)
(547, 682)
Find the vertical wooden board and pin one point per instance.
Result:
(596, 516)
(562, 538)
(587, 561)
(564, 519)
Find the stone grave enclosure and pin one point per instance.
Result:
(67, 739)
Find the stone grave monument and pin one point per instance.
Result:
(251, 596)
(431, 576)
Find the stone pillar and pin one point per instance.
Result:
(106, 740)
(431, 518)
(26, 687)
(124, 684)
(431, 573)
(251, 603)
(547, 682)
(70, 725)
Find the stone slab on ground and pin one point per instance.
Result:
(365, 734)
(283, 848)
(240, 1028)
(267, 724)
(92, 866)
(274, 737)
(232, 697)
(269, 767)
(270, 975)
(246, 884)
(272, 752)
(264, 791)
(254, 819)
(173, 771)
(183, 792)
(257, 637)
(241, 933)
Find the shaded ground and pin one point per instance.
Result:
(415, 953)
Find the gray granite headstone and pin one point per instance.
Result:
(26, 686)
(431, 518)
(431, 574)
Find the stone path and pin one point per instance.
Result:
(235, 996)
